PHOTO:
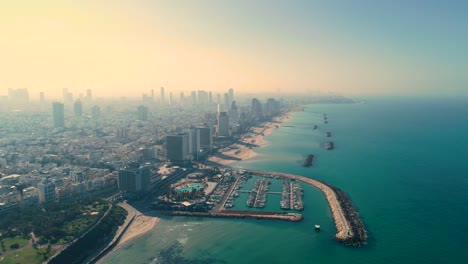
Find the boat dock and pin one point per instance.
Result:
(292, 195)
(350, 229)
(292, 217)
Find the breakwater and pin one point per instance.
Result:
(350, 229)
(308, 162)
(356, 225)
(240, 214)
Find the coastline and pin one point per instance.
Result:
(250, 140)
(350, 229)
(140, 225)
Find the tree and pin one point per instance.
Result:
(14, 246)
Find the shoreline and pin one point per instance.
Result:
(140, 225)
(250, 140)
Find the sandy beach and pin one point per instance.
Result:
(245, 149)
(141, 224)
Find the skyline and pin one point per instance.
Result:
(125, 48)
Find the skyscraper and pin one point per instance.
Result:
(223, 124)
(182, 99)
(96, 112)
(193, 141)
(163, 100)
(234, 114)
(89, 95)
(226, 102)
(257, 110)
(210, 98)
(142, 113)
(206, 139)
(177, 147)
(58, 112)
(231, 95)
(202, 98)
(272, 108)
(78, 108)
(134, 181)
(41, 97)
(193, 95)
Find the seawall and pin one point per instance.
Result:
(350, 229)
(239, 214)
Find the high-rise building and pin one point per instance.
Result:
(152, 94)
(182, 99)
(210, 98)
(58, 112)
(170, 99)
(41, 97)
(46, 190)
(206, 139)
(202, 98)
(96, 112)
(67, 96)
(231, 95)
(163, 100)
(193, 96)
(78, 108)
(257, 110)
(89, 95)
(142, 113)
(134, 181)
(218, 99)
(19, 98)
(226, 102)
(177, 147)
(122, 133)
(272, 108)
(223, 124)
(193, 142)
(234, 114)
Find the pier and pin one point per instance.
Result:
(350, 229)
(291, 217)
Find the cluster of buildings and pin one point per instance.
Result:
(68, 149)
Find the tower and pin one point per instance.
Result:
(162, 95)
(223, 124)
(177, 147)
(78, 108)
(58, 112)
(142, 113)
(134, 181)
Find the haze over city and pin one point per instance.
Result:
(125, 48)
(219, 132)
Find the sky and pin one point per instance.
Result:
(126, 48)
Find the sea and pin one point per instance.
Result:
(403, 161)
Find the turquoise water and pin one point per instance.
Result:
(191, 187)
(403, 162)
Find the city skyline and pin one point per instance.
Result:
(118, 48)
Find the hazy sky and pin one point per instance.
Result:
(119, 47)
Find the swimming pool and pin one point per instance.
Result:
(194, 186)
